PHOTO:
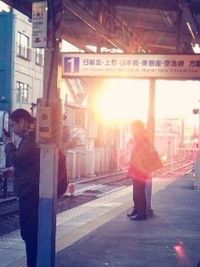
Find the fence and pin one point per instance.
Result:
(185, 158)
(88, 163)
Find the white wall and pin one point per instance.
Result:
(26, 71)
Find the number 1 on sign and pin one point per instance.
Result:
(71, 64)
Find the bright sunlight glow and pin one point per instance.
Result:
(123, 100)
(177, 98)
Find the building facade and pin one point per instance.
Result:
(21, 67)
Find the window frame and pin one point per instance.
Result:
(22, 92)
(38, 57)
(23, 50)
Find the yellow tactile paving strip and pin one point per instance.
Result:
(114, 206)
(72, 237)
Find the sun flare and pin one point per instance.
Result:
(123, 100)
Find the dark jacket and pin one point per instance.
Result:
(139, 162)
(144, 159)
(26, 162)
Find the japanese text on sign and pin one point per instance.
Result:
(39, 24)
(132, 65)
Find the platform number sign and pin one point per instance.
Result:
(172, 66)
(71, 64)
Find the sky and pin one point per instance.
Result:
(178, 98)
(123, 99)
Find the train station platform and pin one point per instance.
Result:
(99, 233)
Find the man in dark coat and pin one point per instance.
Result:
(25, 160)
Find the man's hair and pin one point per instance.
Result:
(21, 113)
(138, 124)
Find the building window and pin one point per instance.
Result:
(22, 93)
(38, 57)
(23, 50)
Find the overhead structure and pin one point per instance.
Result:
(134, 26)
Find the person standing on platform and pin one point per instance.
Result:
(25, 160)
(144, 160)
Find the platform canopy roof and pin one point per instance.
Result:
(134, 26)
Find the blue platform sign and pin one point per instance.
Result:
(71, 64)
(121, 65)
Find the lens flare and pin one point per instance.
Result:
(181, 254)
(123, 100)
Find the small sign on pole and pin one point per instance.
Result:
(39, 24)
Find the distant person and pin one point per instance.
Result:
(25, 160)
(144, 160)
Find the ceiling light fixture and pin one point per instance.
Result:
(190, 29)
(196, 48)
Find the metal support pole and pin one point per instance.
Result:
(49, 141)
(116, 148)
(197, 163)
(151, 129)
(178, 32)
(170, 152)
(47, 207)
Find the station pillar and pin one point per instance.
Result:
(197, 162)
(151, 131)
(197, 172)
(49, 123)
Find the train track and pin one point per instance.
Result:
(91, 189)
(9, 215)
(8, 207)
